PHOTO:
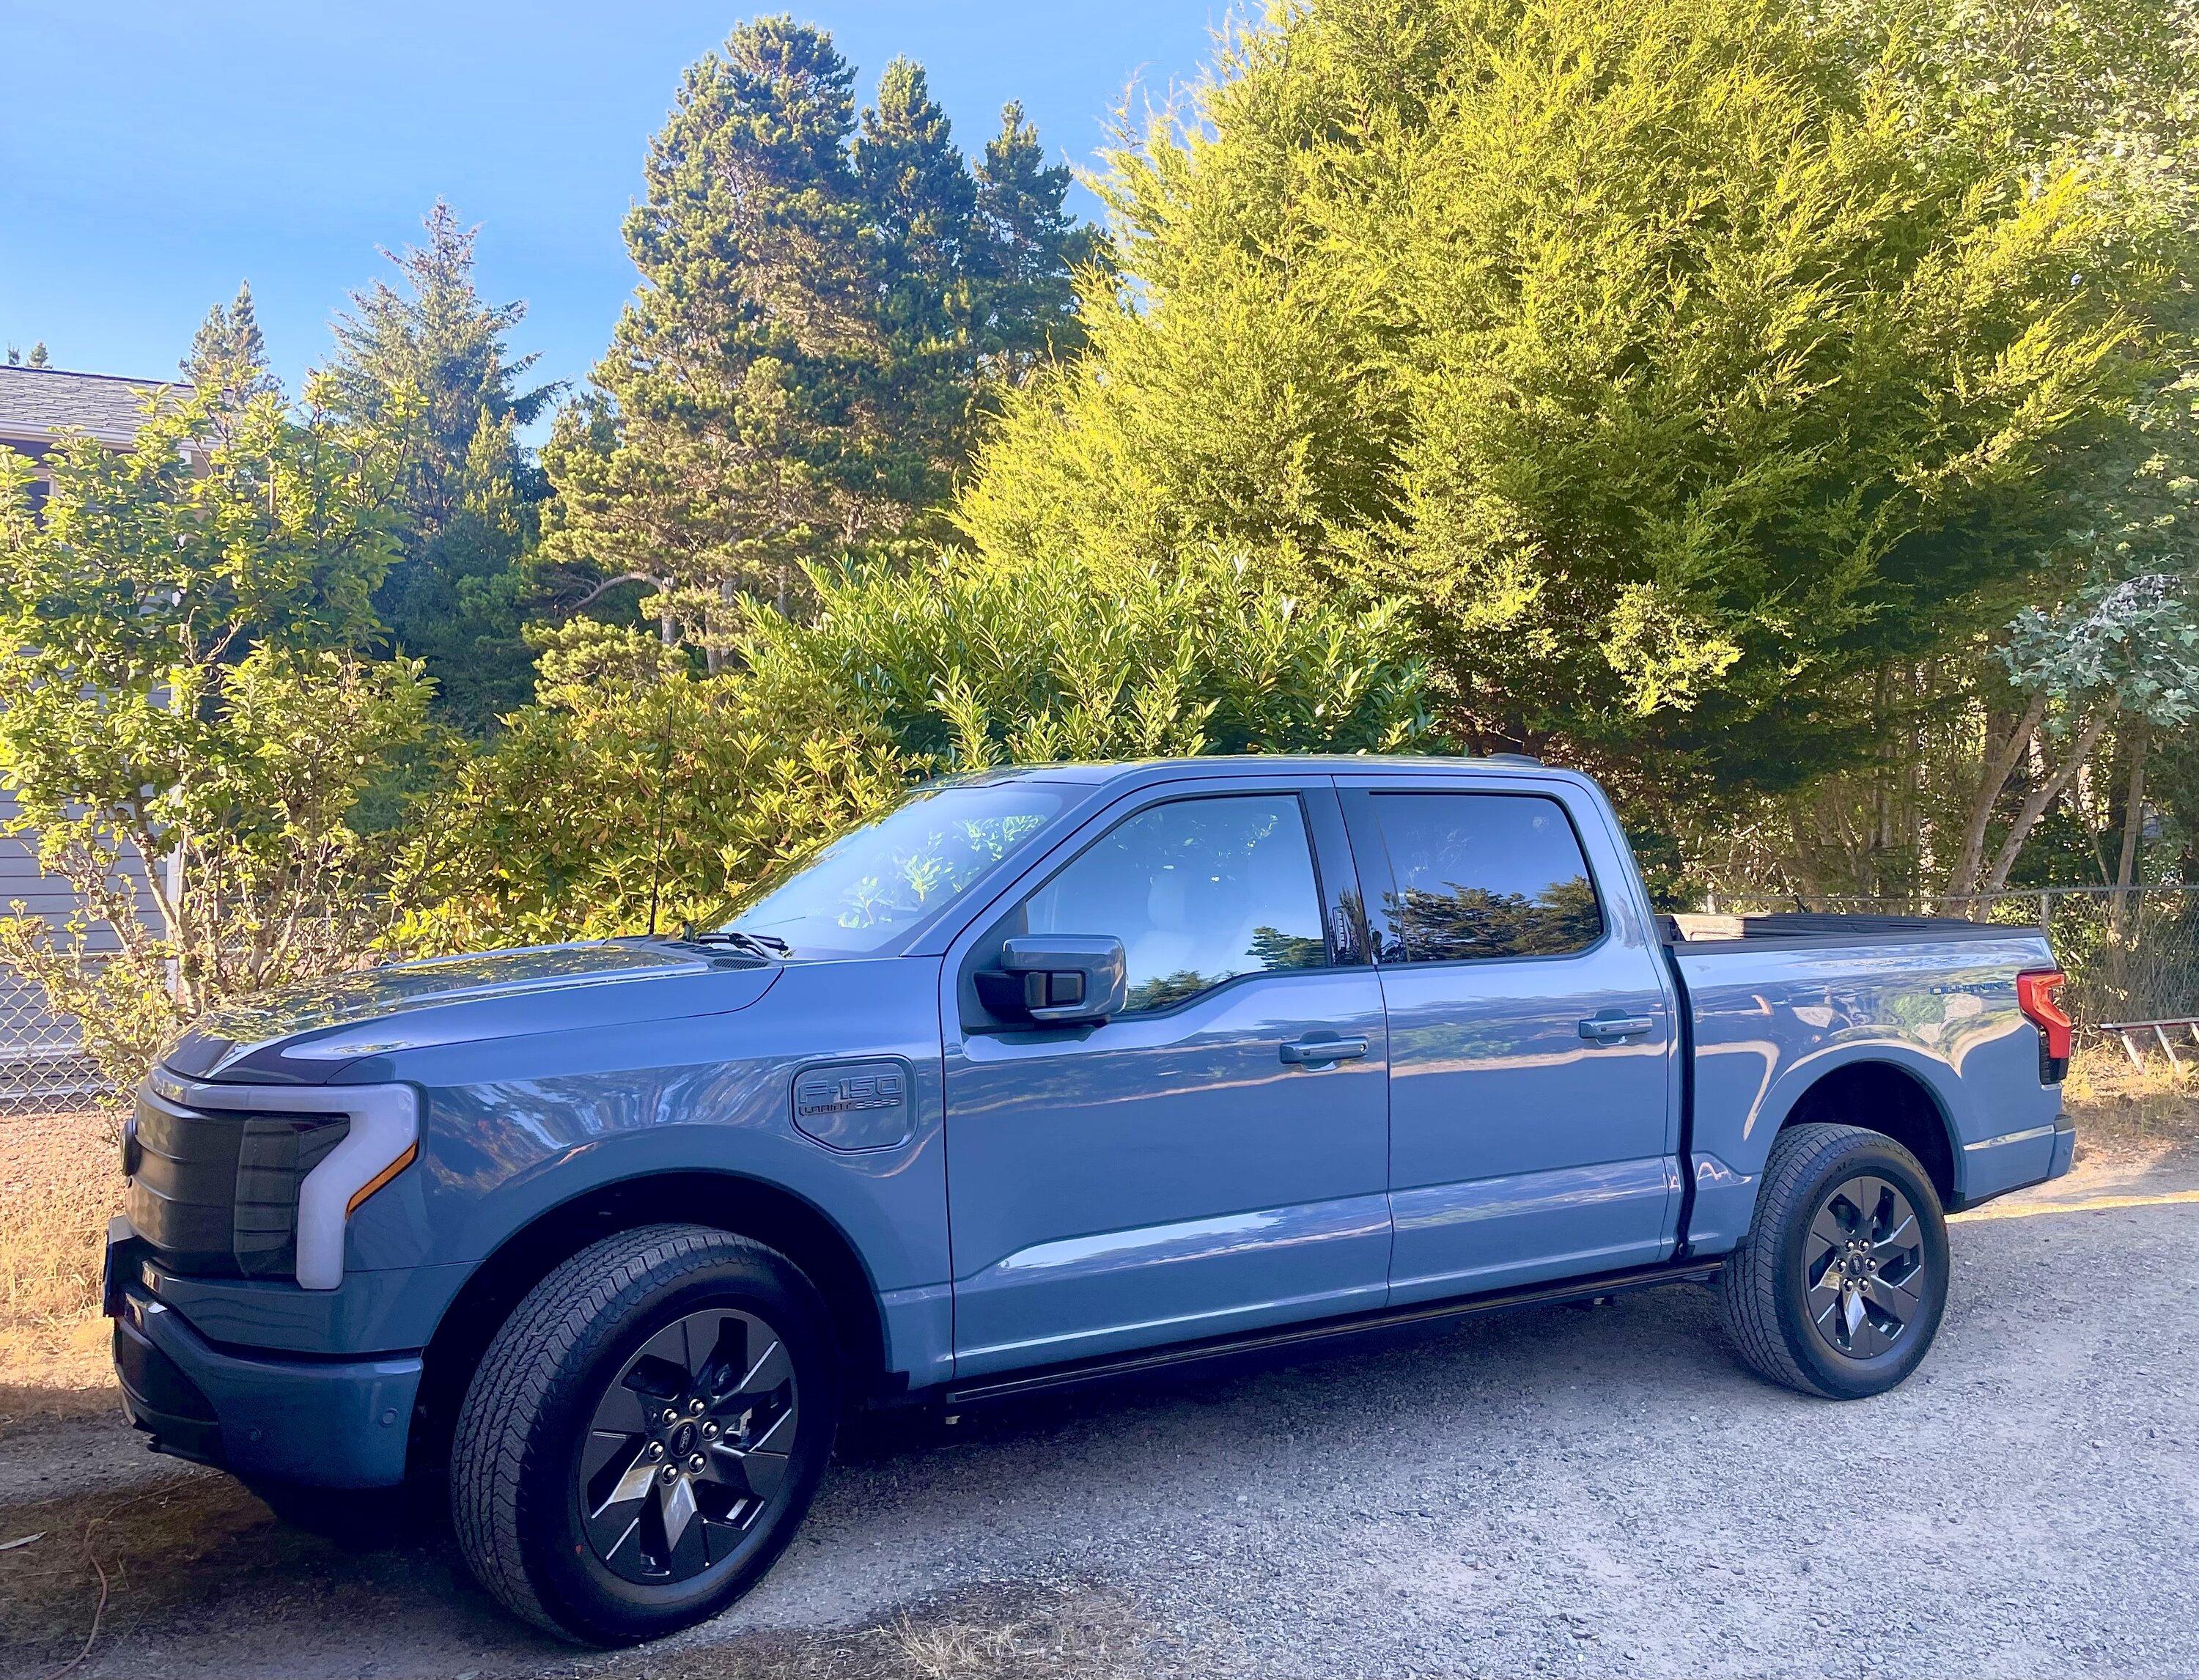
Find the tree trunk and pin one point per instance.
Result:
(2045, 794)
(2000, 765)
(2133, 821)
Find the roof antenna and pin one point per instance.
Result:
(663, 775)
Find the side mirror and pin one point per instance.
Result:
(1058, 979)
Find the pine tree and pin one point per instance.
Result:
(229, 356)
(797, 377)
(916, 183)
(922, 202)
(427, 362)
(1027, 250)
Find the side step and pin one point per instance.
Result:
(1297, 1335)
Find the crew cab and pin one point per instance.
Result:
(1047, 1074)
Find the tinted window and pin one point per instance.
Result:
(875, 883)
(1198, 891)
(1484, 875)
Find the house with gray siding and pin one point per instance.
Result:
(41, 1061)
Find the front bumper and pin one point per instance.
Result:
(316, 1423)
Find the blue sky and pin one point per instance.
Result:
(151, 156)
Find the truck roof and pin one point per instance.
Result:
(1091, 774)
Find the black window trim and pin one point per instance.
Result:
(1378, 877)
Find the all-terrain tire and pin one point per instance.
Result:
(518, 1480)
(1786, 1322)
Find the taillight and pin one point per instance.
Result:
(2036, 995)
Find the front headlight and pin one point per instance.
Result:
(381, 1138)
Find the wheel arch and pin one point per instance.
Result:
(725, 1201)
(1886, 1097)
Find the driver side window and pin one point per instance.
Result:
(1198, 891)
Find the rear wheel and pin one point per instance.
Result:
(1839, 1286)
(644, 1433)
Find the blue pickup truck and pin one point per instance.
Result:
(1048, 1075)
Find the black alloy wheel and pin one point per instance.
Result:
(1864, 1264)
(1839, 1287)
(645, 1432)
(688, 1446)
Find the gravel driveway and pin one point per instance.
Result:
(1569, 1490)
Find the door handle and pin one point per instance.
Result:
(1609, 1029)
(1321, 1051)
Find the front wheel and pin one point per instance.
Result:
(644, 1433)
(1840, 1286)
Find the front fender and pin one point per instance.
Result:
(514, 1129)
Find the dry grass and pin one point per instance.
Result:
(58, 1184)
(110, 1560)
(2127, 1113)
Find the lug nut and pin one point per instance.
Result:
(695, 1463)
(671, 1473)
(656, 1449)
(671, 1416)
(709, 1429)
(695, 1406)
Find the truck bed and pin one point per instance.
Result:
(1777, 1005)
(1696, 930)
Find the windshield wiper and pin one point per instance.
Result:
(764, 945)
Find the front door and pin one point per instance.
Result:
(1533, 1128)
(1199, 1163)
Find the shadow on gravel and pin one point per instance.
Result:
(194, 1558)
(1501, 1494)
(177, 1572)
(193, 1575)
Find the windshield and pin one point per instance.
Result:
(877, 882)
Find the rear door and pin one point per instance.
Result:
(1197, 1165)
(1533, 1124)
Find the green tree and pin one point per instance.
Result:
(186, 709)
(426, 364)
(1026, 255)
(228, 359)
(1681, 361)
(827, 301)
(921, 204)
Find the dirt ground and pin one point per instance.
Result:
(1554, 1491)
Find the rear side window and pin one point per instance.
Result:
(1484, 875)
(1198, 891)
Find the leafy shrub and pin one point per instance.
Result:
(635, 778)
(183, 720)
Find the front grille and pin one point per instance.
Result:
(216, 1194)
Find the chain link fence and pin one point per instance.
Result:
(44, 1067)
(2131, 954)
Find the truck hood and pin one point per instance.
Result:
(305, 1034)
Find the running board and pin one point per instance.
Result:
(1300, 1335)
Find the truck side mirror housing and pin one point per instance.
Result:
(1058, 980)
